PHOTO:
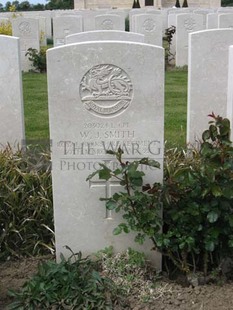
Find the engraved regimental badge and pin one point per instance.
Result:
(106, 90)
(25, 28)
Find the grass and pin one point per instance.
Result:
(36, 107)
(175, 107)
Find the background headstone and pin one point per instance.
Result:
(64, 26)
(207, 78)
(212, 21)
(11, 99)
(101, 94)
(150, 25)
(109, 22)
(225, 20)
(185, 24)
(27, 29)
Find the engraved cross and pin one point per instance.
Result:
(108, 185)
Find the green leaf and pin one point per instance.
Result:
(216, 190)
(228, 192)
(117, 171)
(212, 216)
(136, 181)
(149, 162)
(111, 204)
(117, 230)
(213, 132)
(92, 175)
(110, 152)
(205, 135)
(105, 174)
(225, 128)
(116, 196)
(209, 246)
(206, 147)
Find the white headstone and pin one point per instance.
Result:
(225, 20)
(204, 13)
(207, 78)
(11, 99)
(27, 29)
(132, 13)
(145, 10)
(101, 94)
(185, 24)
(212, 21)
(109, 22)
(41, 14)
(103, 35)
(230, 90)
(64, 26)
(150, 25)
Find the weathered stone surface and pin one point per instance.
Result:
(208, 78)
(103, 35)
(109, 22)
(64, 26)
(101, 95)
(150, 25)
(27, 29)
(185, 24)
(11, 99)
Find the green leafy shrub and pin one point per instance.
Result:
(67, 285)
(26, 212)
(198, 202)
(38, 59)
(197, 196)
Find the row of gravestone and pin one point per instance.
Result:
(28, 30)
(32, 32)
(106, 94)
(191, 22)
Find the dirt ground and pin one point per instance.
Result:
(171, 296)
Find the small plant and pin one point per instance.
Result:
(135, 199)
(195, 233)
(75, 283)
(198, 197)
(6, 28)
(38, 59)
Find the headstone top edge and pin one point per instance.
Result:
(9, 37)
(211, 30)
(101, 43)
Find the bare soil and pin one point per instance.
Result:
(171, 296)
